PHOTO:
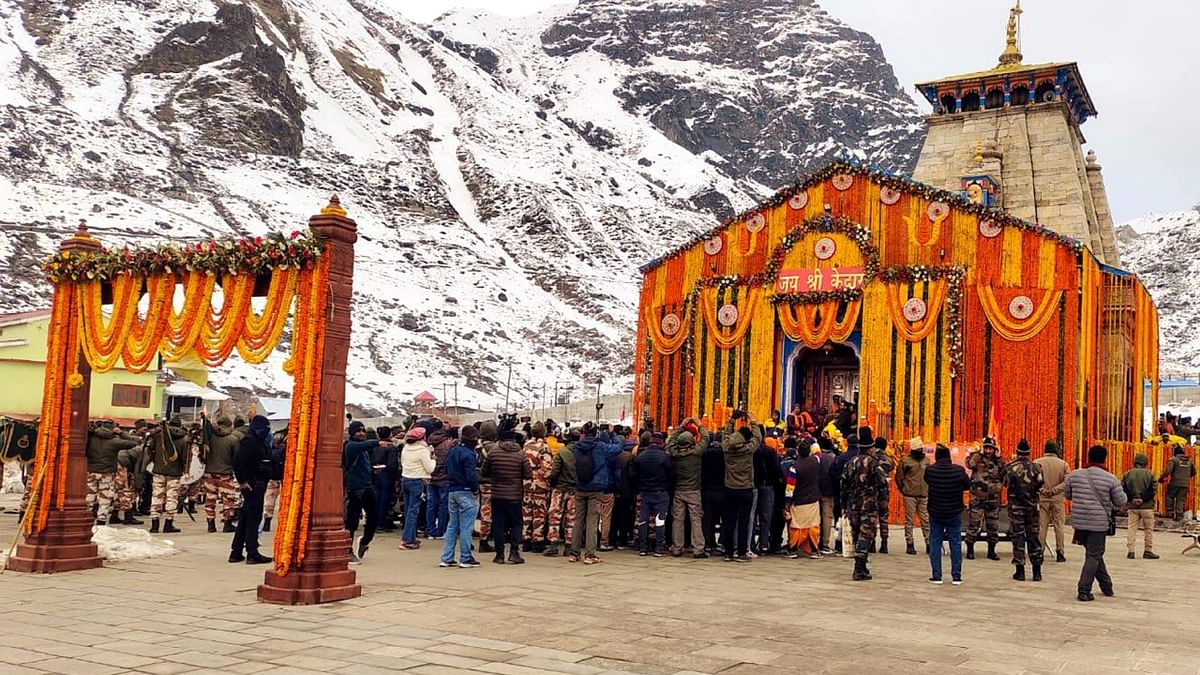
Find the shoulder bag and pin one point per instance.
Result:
(1112, 515)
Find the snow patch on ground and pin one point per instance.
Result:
(122, 544)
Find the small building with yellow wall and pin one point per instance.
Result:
(118, 394)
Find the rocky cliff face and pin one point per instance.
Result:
(1158, 248)
(507, 175)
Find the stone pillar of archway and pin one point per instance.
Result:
(325, 575)
(65, 543)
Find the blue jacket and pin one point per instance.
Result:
(460, 468)
(356, 460)
(604, 449)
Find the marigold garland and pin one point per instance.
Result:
(919, 330)
(291, 541)
(728, 338)
(802, 325)
(663, 343)
(52, 440)
(1018, 330)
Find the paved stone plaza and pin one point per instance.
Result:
(193, 612)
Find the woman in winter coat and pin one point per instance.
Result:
(1095, 494)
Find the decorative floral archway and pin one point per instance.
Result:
(291, 272)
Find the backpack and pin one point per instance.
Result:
(585, 467)
(278, 456)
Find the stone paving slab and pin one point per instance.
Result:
(195, 613)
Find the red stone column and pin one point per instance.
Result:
(325, 574)
(66, 542)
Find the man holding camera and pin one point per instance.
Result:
(742, 438)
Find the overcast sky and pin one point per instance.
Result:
(1132, 58)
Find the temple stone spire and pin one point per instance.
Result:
(1010, 137)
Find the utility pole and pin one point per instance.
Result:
(456, 398)
(599, 405)
(443, 399)
(508, 387)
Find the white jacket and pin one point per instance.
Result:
(416, 460)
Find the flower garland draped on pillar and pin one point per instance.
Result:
(816, 324)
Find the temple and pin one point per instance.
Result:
(1010, 137)
(939, 308)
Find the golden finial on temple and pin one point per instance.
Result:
(1011, 56)
(979, 153)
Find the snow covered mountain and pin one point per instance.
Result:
(507, 175)
(1159, 248)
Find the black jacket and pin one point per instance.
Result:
(652, 470)
(767, 472)
(252, 461)
(829, 487)
(947, 482)
(712, 468)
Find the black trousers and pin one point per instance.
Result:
(622, 533)
(506, 524)
(358, 501)
(712, 503)
(736, 520)
(246, 536)
(1094, 570)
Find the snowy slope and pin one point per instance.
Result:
(507, 175)
(1159, 248)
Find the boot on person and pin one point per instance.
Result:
(154, 526)
(130, 519)
(860, 570)
(992, 552)
(229, 526)
(971, 551)
(551, 551)
(910, 549)
(169, 527)
(514, 557)
(1059, 557)
(1037, 572)
(212, 525)
(266, 524)
(883, 545)
(499, 559)
(1019, 575)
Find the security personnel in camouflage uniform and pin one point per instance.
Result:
(102, 448)
(863, 480)
(536, 499)
(170, 448)
(219, 482)
(1024, 481)
(987, 474)
(562, 501)
(885, 495)
(1179, 472)
(488, 433)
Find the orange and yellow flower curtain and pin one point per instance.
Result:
(905, 373)
(211, 333)
(970, 319)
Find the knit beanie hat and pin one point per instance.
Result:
(1023, 448)
(415, 434)
(356, 427)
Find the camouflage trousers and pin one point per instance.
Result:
(271, 497)
(127, 494)
(864, 522)
(101, 490)
(535, 507)
(1023, 522)
(485, 511)
(164, 495)
(984, 513)
(562, 517)
(222, 488)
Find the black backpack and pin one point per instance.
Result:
(278, 456)
(585, 467)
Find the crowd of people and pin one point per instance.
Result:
(783, 487)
